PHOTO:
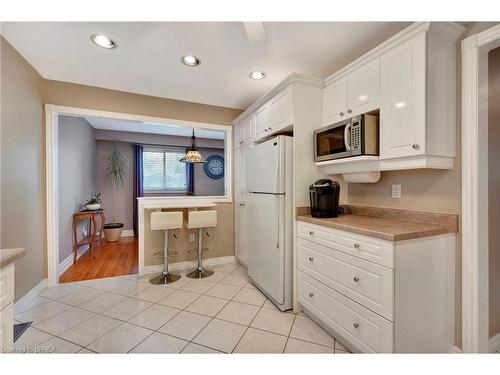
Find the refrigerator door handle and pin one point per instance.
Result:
(277, 214)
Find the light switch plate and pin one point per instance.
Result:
(396, 191)
(192, 237)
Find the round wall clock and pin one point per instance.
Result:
(214, 166)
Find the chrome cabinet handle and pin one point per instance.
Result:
(311, 259)
(355, 325)
(356, 245)
(311, 294)
(415, 146)
(356, 279)
(311, 232)
(349, 110)
(341, 113)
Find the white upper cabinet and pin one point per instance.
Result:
(363, 89)
(352, 94)
(238, 134)
(403, 112)
(262, 121)
(335, 101)
(249, 125)
(281, 110)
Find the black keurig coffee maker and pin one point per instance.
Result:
(324, 195)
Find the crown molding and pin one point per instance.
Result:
(291, 79)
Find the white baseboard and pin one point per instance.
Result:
(127, 233)
(66, 263)
(495, 343)
(181, 266)
(28, 297)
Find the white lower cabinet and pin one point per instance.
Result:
(376, 295)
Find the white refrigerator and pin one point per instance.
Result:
(269, 218)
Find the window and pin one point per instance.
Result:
(162, 170)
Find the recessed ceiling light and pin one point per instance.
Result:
(190, 60)
(103, 41)
(257, 75)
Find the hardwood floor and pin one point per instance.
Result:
(112, 259)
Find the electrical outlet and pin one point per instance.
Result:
(396, 191)
(192, 237)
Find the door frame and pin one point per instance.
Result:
(475, 289)
(52, 113)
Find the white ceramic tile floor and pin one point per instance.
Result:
(126, 314)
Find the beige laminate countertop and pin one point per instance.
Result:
(7, 256)
(386, 229)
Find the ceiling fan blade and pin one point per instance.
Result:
(255, 32)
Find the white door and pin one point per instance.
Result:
(335, 101)
(363, 89)
(261, 122)
(403, 96)
(266, 258)
(280, 110)
(262, 164)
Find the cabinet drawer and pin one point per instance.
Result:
(369, 248)
(366, 330)
(367, 283)
(7, 328)
(6, 285)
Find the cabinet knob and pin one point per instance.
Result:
(270, 128)
(311, 259)
(415, 146)
(311, 232)
(356, 245)
(349, 110)
(341, 113)
(356, 279)
(311, 294)
(266, 129)
(242, 204)
(355, 325)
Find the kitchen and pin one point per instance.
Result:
(342, 196)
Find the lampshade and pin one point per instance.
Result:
(193, 155)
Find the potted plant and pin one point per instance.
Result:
(115, 168)
(94, 202)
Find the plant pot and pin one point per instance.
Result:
(113, 231)
(92, 207)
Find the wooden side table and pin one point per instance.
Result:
(92, 235)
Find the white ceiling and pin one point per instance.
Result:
(147, 60)
(151, 128)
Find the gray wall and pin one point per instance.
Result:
(204, 185)
(22, 167)
(77, 157)
(494, 188)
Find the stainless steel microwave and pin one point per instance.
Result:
(356, 136)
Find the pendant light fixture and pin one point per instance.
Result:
(193, 155)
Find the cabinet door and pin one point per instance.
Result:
(280, 110)
(363, 89)
(239, 173)
(261, 121)
(403, 100)
(239, 239)
(335, 101)
(249, 130)
(237, 135)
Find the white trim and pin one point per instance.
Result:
(25, 300)
(52, 113)
(292, 78)
(182, 266)
(68, 262)
(475, 297)
(127, 233)
(495, 343)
